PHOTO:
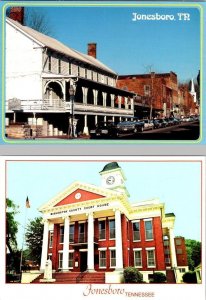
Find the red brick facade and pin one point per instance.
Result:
(181, 251)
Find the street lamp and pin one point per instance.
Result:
(71, 94)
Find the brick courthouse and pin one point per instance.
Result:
(96, 229)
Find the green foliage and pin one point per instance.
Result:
(11, 225)
(33, 237)
(132, 275)
(159, 277)
(189, 277)
(193, 253)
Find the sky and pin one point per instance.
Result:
(177, 184)
(131, 47)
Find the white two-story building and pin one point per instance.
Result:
(48, 82)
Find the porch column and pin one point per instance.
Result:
(105, 118)
(86, 129)
(95, 92)
(90, 250)
(172, 248)
(118, 237)
(85, 92)
(96, 119)
(45, 245)
(119, 101)
(112, 100)
(104, 98)
(66, 245)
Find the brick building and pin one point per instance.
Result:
(49, 84)
(96, 229)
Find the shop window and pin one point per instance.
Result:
(102, 259)
(112, 229)
(136, 231)
(148, 230)
(102, 230)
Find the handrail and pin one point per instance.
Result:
(80, 276)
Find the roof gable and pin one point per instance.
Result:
(79, 195)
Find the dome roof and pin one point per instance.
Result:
(110, 166)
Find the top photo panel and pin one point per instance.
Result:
(102, 73)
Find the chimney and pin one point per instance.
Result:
(92, 50)
(17, 14)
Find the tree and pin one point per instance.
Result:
(193, 253)
(11, 225)
(33, 238)
(35, 19)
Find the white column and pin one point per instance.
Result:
(66, 245)
(96, 119)
(112, 100)
(172, 248)
(90, 250)
(45, 245)
(118, 237)
(86, 129)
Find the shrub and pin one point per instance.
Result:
(132, 275)
(189, 277)
(159, 277)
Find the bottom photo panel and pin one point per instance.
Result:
(124, 227)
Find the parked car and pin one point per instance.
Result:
(162, 123)
(156, 123)
(148, 124)
(111, 129)
(169, 121)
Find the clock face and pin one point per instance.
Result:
(78, 196)
(110, 180)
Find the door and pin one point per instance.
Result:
(83, 261)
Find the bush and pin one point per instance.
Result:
(159, 277)
(189, 277)
(132, 275)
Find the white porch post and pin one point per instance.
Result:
(172, 248)
(118, 237)
(90, 250)
(96, 119)
(86, 129)
(44, 245)
(66, 245)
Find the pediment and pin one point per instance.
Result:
(79, 195)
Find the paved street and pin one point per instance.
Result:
(184, 131)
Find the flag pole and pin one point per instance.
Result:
(22, 247)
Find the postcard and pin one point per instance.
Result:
(102, 73)
(89, 228)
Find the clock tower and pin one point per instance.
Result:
(113, 178)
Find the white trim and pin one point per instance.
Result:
(134, 221)
(83, 250)
(136, 249)
(112, 248)
(150, 248)
(110, 258)
(105, 250)
(60, 251)
(102, 249)
(71, 251)
(82, 222)
(101, 219)
(111, 218)
(149, 219)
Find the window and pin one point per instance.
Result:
(148, 230)
(49, 63)
(60, 260)
(112, 258)
(178, 242)
(112, 229)
(147, 90)
(59, 65)
(51, 234)
(92, 75)
(151, 258)
(61, 234)
(182, 270)
(167, 260)
(102, 259)
(167, 251)
(71, 256)
(71, 234)
(50, 256)
(78, 71)
(138, 258)
(81, 233)
(166, 243)
(179, 251)
(85, 73)
(136, 231)
(102, 230)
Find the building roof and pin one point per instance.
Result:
(110, 166)
(55, 45)
(169, 215)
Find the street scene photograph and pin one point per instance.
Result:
(102, 72)
(94, 222)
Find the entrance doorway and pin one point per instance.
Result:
(83, 261)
